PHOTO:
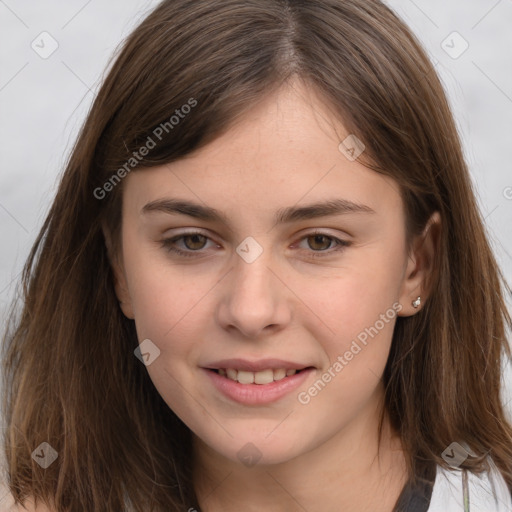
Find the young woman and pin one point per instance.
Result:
(264, 283)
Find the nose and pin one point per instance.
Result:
(254, 298)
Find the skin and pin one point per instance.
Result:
(286, 304)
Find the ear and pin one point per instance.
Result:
(420, 266)
(120, 281)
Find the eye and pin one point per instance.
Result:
(194, 242)
(321, 242)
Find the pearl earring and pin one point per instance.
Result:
(416, 303)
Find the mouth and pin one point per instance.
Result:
(261, 377)
(258, 388)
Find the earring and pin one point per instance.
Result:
(416, 303)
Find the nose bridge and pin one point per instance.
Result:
(254, 297)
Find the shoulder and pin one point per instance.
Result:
(485, 492)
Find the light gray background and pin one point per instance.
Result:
(44, 101)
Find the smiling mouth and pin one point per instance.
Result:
(261, 377)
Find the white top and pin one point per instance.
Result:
(487, 492)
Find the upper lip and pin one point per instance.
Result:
(256, 366)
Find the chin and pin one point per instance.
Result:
(250, 451)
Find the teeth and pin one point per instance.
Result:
(262, 377)
(245, 377)
(280, 374)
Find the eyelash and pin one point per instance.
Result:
(169, 245)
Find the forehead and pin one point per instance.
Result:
(283, 152)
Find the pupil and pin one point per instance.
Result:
(316, 239)
(194, 238)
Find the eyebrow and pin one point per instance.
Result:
(282, 216)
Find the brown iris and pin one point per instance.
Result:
(194, 237)
(317, 239)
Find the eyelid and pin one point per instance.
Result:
(340, 244)
(169, 243)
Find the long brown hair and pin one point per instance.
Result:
(70, 375)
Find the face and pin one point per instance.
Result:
(267, 278)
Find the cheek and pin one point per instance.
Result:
(169, 302)
(355, 297)
(164, 295)
(161, 305)
(357, 311)
(356, 345)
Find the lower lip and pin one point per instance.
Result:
(257, 394)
